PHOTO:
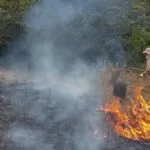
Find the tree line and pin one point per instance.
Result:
(134, 30)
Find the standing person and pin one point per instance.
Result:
(146, 73)
(147, 69)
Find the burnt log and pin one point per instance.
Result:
(119, 90)
(119, 86)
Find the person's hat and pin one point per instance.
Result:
(146, 51)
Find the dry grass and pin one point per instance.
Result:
(131, 77)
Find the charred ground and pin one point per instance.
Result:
(17, 98)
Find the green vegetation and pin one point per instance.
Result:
(11, 13)
(135, 29)
(136, 42)
(137, 36)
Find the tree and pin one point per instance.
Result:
(147, 7)
(11, 12)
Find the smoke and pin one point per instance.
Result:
(62, 101)
(26, 138)
(64, 109)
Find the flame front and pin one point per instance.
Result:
(132, 122)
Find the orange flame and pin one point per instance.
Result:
(133, 122)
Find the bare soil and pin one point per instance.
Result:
(131, 77)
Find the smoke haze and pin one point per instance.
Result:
(64, 55)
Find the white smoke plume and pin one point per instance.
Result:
(63, 99)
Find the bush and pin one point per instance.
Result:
(11, 13)
(136, 36)
(138, 40)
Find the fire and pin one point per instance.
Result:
(133, 121)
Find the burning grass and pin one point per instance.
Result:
(132, 121)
